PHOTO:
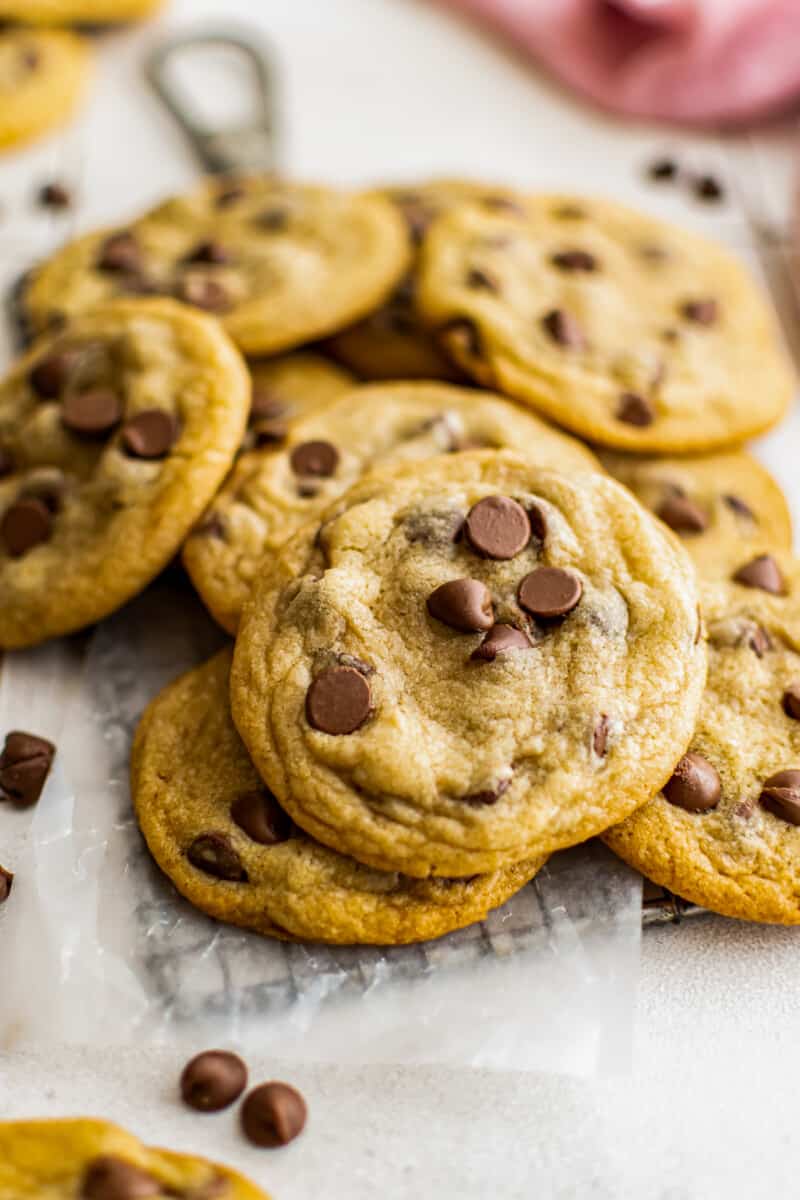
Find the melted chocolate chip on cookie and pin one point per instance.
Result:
(780, 795)
(498, 527)
(214, 853)
(762, 572)
(695, 785)
(463, 604)
(338, 701)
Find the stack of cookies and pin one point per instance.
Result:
(501, 577)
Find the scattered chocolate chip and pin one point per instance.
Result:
(780, 795)
(499, 640)
(265, 404)
(600, 736)
(209, 294)
(682, 514)
(574, 260)
(338, 701)
(120, 253)
(213, 1080)
(272, 220)
(636, 410)
(498, 527)
(791, 701)
(229, 195)
(314, 458)
(27, 523)
(54, 195)
(701, 312)
(111, 1178)
(762, 572)
(273, 1114)
(262, 818)
(480, 278)
(759, 641)
(538, 522)
(6, 883)
(564, 329)
(488, 795)
(50, 374)
(150, 433)
(463, 336)
(209, 252)
(737, 505)
(695, 784)
(6, 463)
(464, 604)
(662, 169)
(93, 413)
(214, 854)
(708, 188)
(550, 592)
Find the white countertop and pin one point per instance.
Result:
(394, 89)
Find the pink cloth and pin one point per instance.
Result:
(694, 61)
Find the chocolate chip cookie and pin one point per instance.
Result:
(114, 435)
(271, 493)
(724, 832)
(391, 343)
(86, 1159)
(233, 851)
(279, 264)
(287, 388)
(627, 331)
(77, 12)
(722, 506)
(43, 74)
(470, 661)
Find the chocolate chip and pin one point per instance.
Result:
(480, 278)
(50, 374)
(149, 434)
(701, 312)
(538, 522)
(213, 526)
(265, 404)
(272, 220)
(708, 188)
(120, 253)
(600, 736)
(463, 336)
(550, 592)
(27, 523)
(24, 766)
(54, 195)
(739, 507)
(574, 260)
(338, 701)
(464, 604)
(213, 1080)
(564, 329)
(111, 1178)
(694, 785)
(6, 463)
(634, 409)
(498, 527)
(780, 795)
(214, 854)
(314, 458)
(682, 514)
(6, 883)
(273, 1114)
(93, 413)
(209, 252)
(762, 572)
(262, 818)
(759, 641)
(229, 196)
(500, 640)
(203, 292)
(488, 795)
(791, 701)
(662, 169)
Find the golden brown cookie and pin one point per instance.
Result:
(229, 847)
(470, 661)
(280, 264)
(87, 1159)
(43, 74)
(272, 492)
(722, 506)
(627, 331)
(114, 435)
(289, 387)
(725, 830)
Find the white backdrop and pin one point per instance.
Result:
(394, 89)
